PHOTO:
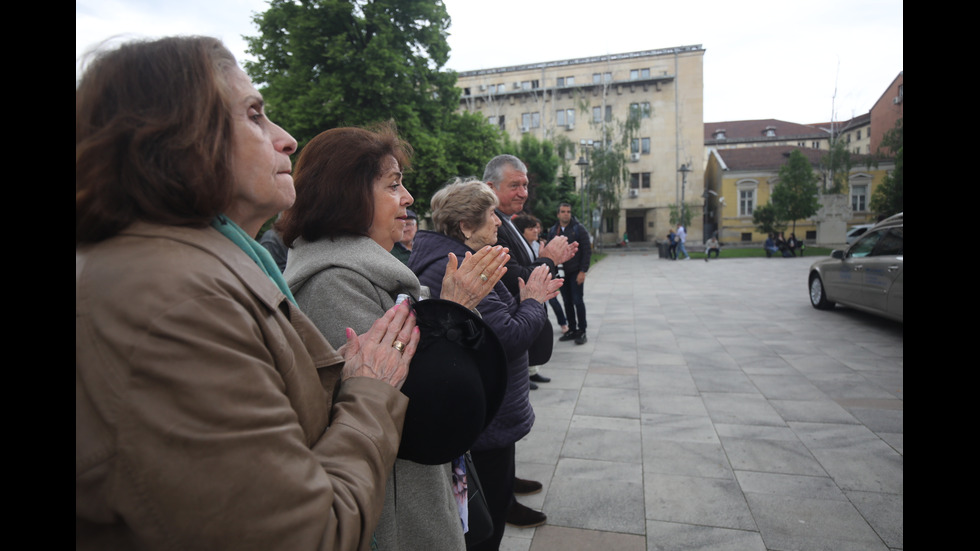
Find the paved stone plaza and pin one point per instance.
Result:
(713, 408)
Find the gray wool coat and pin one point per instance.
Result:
(351, 282)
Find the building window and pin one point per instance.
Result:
(859, 134)
(466, 91)
(531, 120)
(640, 180)
(596, 78)
(560, 82)
(638, 74)
(859, 198)
(609, 113)
(640, 110)
(747, 197)
(816, 145)
(640, 145)
(597, 114)
(746, 202)
(565, 117)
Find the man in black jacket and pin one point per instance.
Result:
(507, 176)
(573, 290)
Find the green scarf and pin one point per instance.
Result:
(254, 250)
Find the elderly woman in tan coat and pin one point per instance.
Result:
(209, 411)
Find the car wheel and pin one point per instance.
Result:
(818, 298)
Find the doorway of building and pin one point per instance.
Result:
(635, 227)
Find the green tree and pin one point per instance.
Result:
(684, 215)
(608, 170)
(766, 219)
(889, 197)
(795, 195)
(836, 165)
(326, 63)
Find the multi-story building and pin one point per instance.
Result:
(576, 99)
(887, 110)
(739, 180)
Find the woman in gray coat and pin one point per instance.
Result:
(350, 210)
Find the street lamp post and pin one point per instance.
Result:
(684, 169)
(583, 163)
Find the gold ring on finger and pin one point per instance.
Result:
(398, 345)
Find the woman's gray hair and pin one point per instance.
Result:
(494, 172)
(461, 201)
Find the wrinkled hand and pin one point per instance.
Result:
(540, 286)
(463, 285)
(373, 354)
(559, 250)
(580, 278)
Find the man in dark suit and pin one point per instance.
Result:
(507, 176)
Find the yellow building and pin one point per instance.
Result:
(576, 98)
(739, 180)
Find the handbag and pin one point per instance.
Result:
(479, 522)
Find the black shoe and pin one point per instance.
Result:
(568, 336)
(581, 338)
(526, 487)
(523, 516)
(538, 378)
(534, 386)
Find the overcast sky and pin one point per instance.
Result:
(763, 58)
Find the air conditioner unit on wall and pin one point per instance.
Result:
(570, 127)
(634, 193)
(524, 129)
(634, 157)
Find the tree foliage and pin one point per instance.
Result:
(795, 195)
(766, 219)
(836, 165)
(328, 63)
(889, 197)
(608, 170)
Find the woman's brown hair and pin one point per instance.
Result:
(152, 136)
(334, 180)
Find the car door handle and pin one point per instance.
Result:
(893, 268)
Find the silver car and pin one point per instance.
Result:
(869, 275)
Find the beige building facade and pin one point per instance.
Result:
(743, 179)
(575, 99)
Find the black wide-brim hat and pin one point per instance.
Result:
(455, 383)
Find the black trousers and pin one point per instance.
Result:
(496, 471)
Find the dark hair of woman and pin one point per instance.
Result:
(152, 133)
(523, 221)
(334, 179)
